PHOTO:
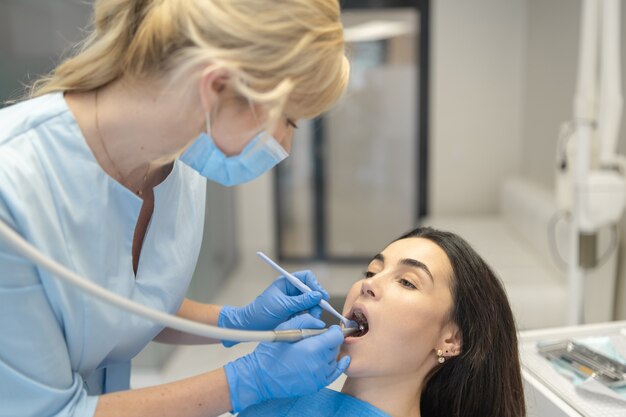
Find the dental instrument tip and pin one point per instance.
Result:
(349, 330)
(350, 324)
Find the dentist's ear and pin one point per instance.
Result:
(213, 82)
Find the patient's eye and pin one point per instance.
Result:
(368, 274)
(407, 284)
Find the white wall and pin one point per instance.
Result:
(33, 34)
(478, 50)
(553, 31)
(254, 202)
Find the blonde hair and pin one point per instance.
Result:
(286, 54)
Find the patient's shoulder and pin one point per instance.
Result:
(325, 403)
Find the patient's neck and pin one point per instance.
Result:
(397, 395)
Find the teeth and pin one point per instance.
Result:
(360, 318)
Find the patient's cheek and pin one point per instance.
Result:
(361, 364)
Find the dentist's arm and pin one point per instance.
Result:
(277, 304)
(273, 370)
(204, 395)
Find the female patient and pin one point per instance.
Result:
(439, 339)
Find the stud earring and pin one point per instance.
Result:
(440, 357)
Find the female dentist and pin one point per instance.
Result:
(104, 171)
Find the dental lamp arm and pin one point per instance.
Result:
(611, 101)
(588, 186)
(585, 97)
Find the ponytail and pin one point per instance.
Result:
(99, 58)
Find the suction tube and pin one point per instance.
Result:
(169, 320)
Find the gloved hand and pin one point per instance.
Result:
(280, 370)
(279, 302)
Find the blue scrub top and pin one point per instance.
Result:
(325, 403)
(60, 348)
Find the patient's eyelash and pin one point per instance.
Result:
(291, 123)
(407, 284)
(368, 274)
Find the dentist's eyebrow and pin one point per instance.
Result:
(417, 264)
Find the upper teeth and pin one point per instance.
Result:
(360, 318)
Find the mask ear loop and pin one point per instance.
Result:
(207, 121)
(207, 117)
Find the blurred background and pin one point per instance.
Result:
(451, 119)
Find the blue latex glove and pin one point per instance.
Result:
(280, 370)
(278, 303)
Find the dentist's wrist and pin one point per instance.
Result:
(244, 386)
(228, 319)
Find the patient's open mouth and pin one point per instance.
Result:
(358, 316)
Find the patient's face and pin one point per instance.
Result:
(406, 311)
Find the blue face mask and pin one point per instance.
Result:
(259, 156)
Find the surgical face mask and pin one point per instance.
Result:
(259, 156)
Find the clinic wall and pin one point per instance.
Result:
(33, 34)
(255, 216)
(553, 36)
(478, 52)
(551, 70)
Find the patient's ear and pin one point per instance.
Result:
(452, 340)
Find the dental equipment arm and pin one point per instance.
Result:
(168, 320)
(611, 101)
(591, 178)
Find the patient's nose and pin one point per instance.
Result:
(369, 288)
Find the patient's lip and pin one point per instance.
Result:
(360, 308)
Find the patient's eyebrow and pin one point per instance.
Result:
(417, 264)
(378, 257)
(408, 262)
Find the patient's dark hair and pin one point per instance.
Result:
(485, 379)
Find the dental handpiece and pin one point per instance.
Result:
(304, 288)
(299, 334)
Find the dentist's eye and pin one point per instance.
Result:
(368, 274)
(407, 284)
